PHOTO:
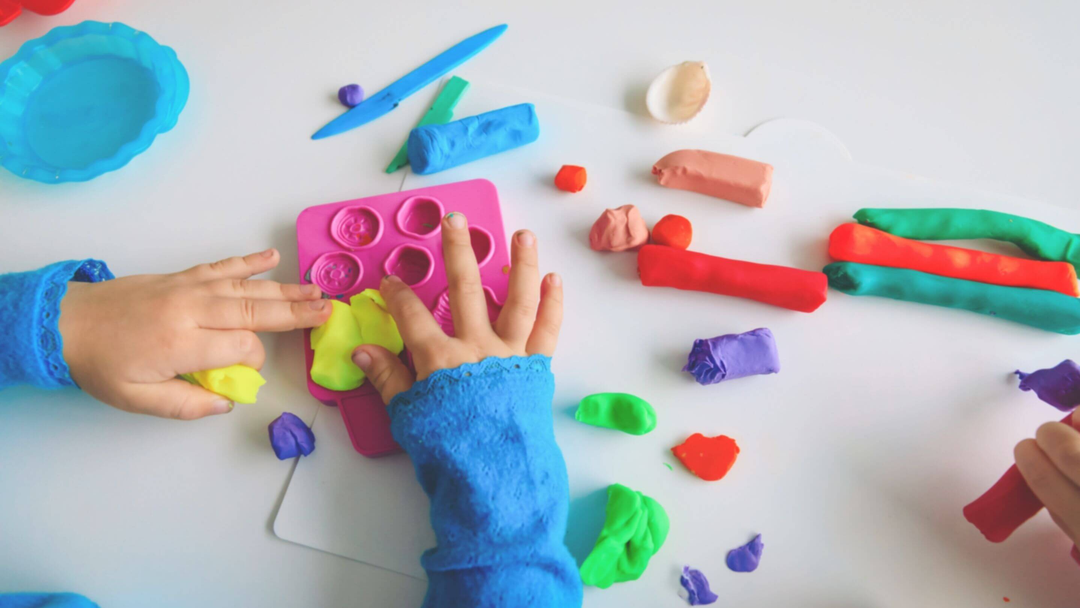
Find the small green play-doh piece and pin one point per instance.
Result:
(1047, 310)
(620, 411)
(1033, 237)
(635, 527)
(334, 343)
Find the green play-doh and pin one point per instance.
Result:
(635, 528)
(1047, 310)
(620, 411)
(1033, 237)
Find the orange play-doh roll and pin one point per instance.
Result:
(865, 245)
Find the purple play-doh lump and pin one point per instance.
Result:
(697, 587)
(733, 356)
(747, 557)
(1059, 386)
(350, 95)
(290, 437)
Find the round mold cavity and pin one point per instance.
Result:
(420, 217)
(86, 99)
(336, 272)
(410, 263)
(445, 317)
(483, 245)
(356, 227)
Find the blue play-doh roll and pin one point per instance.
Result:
(434, 148)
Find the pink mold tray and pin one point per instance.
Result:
(348, 247)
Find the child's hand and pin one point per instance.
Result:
(128, 339)
(528, 324)
(1050, 464)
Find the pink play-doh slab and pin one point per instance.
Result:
(346, 247)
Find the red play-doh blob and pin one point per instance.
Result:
(570, 178)
(710, 458)
(673, 231)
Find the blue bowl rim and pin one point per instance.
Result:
(166, 112)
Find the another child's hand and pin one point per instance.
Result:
(128, 339)
(1050, 464)
(528, 324)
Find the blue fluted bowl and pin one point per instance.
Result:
(85, 99)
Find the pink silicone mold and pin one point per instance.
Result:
(411, 264)
(345, 247)
(336, 272)
(356, 227)
(445, 316)
(420, 217)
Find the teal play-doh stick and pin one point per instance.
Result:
(1047, 310)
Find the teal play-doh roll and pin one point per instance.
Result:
(434, 148)
(1047, 310)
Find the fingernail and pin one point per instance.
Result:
(555, 280)
(269, 253)
(222, 407)
(309, 290)
(317, 304)
(362, 360)
(525, 238)
(455, 219)
(391, 278)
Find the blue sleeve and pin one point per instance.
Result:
(44, 600)
(31, 349)
(482, 441)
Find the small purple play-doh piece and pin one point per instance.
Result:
(1059, 386)
(350, 95)
(290, 437)
(747, 557)
(697, 587)
(733, 356)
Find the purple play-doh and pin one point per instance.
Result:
(290, 437)
(697, 587)
(747, 557)
(1059, 386)
(733, 356)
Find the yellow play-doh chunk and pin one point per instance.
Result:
(376, 324)
(238, 383)
(334, 343)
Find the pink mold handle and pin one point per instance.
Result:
(346, 247)
(10, 9)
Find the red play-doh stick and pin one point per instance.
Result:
(866, 245)
(790, 288)
(1006, 505)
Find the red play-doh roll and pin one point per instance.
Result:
(858, 243)
(1006, 505)
(790, 288)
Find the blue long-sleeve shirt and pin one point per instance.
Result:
(480, 437)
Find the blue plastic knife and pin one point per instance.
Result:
(389, 98)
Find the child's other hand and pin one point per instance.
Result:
(1050, 464)
(128, 339)
(528, 324)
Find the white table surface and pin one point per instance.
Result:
(135, 511)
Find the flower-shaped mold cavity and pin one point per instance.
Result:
(483, 245)
(337, 272)
(86, 99)
(420, 216)
(445, 318)
(356, 227)
(410, 263)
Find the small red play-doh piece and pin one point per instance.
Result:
(710, 458)
(673, 231)
(1006, 505)
(570, 178)
(781, 286)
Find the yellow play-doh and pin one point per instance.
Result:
(238, 383)
(333, 343)
(364, 321)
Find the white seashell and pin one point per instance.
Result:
(679, 92)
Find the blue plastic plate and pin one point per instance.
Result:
(86, 99)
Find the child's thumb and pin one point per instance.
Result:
(387, 373)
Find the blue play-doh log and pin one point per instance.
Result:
(434, 148)
(86, 99)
